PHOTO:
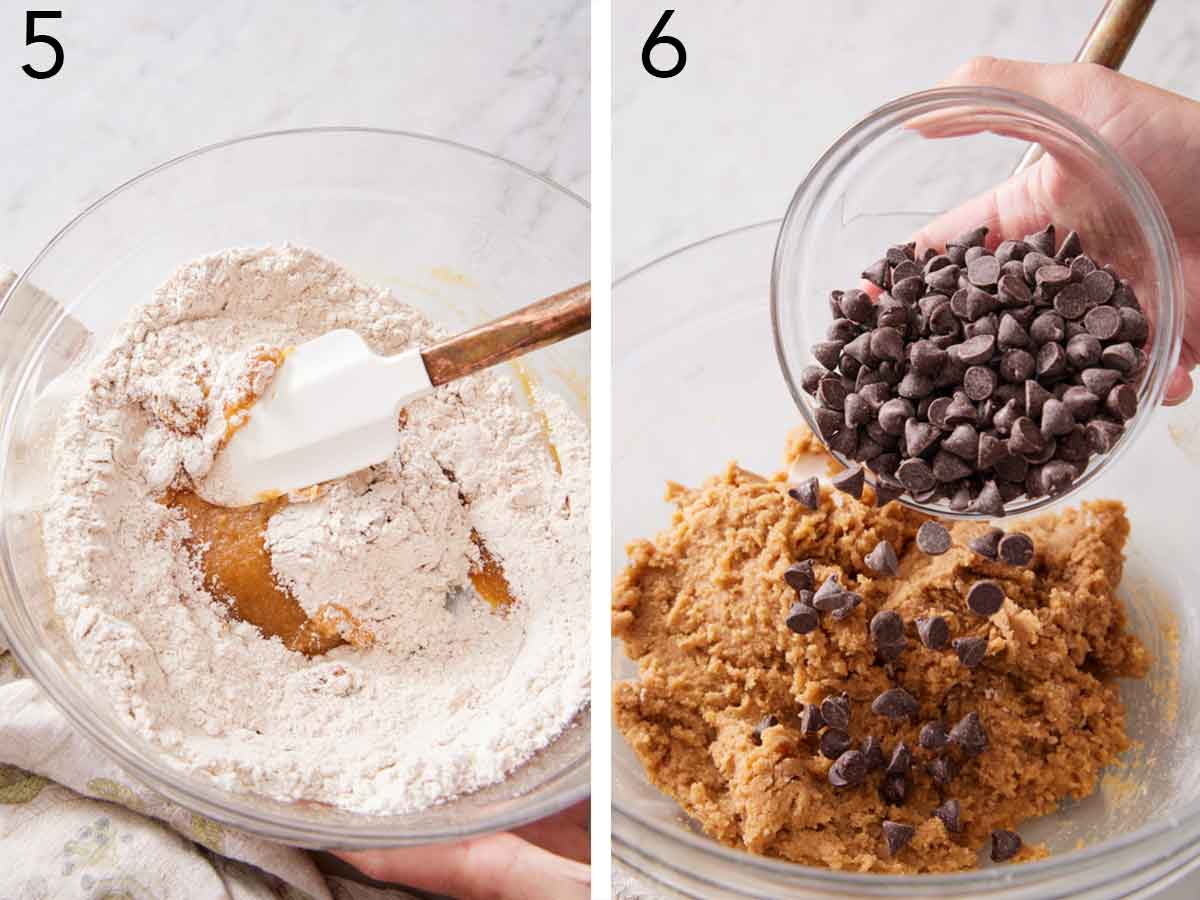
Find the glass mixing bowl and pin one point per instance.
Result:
(897, 169)
(461, 234)
(694, 386)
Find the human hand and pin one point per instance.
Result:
(544, 860)
(1153, 130)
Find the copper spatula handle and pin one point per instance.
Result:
(545, 322)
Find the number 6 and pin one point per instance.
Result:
(656, 38)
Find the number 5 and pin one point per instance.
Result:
(32, 37)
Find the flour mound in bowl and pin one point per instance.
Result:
(388, 684)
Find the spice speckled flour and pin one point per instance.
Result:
(451, 695)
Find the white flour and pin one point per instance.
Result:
(453, 695)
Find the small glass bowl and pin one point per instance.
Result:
(461, 234)
(896, 170)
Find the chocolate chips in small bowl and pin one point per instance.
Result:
(979, 376)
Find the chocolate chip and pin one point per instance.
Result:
(933, 631)
(1052, 277)
(985, 598)
(1010, 468)
(1056, 419)
(1033, 262)
(1005, 845)
(1120, 357)
(763, 724)
(857, 306)
(989, 502)
(893, 789)
(916, 475)
(987, 544)
(932, 538)
(1026, 438)
(1080, 402)
(950, 813)
(1122, 402)
(897, 255)
(807, 493)
(1099, 381)
(799, 575)
(1051, 361)
(1099, 286)
(810, 719)
(843, 441)
(970, 735)
(895, 703)
(897, 835)
(1016, 549)
(810, 379)
(834, 742)
(977, 350)
(1103, 322)
(919, 436)
(802, 618)
(1013, 291)
(882, 559)
(942, 770)
(828, 353)
(849, 481)
(1048, 328)
(848, 770)
(963, 442)
(877, 273)
(1134, 327)
(944, 279)
(887, 627)
(886, 490)
(901, 760)
(933, 736)
(872, 751)
(841, 330)
(983, 270)
(1081, 267)
(894, 414)
(1102, 435)
(1072, 301)
(831, 392)
(991, 450)
(1042, 241)
(1057, 477)
(830, 595)
(1018, 365)
(906, 269)
(851, 601)
(970, 650)
(960, 410)
(914, 386)
(836, 711)
(1071, 247)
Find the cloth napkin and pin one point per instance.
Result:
(73, 824)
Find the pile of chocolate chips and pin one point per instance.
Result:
(978, 376)
(829, 720)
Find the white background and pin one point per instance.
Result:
(146, 81)
(769, 84)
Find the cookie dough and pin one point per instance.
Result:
(702, 610)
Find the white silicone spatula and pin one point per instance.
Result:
(332, 408)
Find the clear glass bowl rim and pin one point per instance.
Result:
(1023, 875)
(190, 793)
(1168, 335)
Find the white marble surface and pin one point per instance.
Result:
(144, 82)
(768, 85)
